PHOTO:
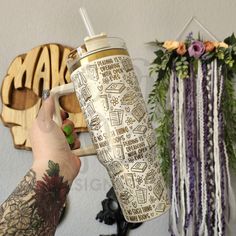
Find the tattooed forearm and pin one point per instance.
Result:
(35, 206)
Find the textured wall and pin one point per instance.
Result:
(27, 23)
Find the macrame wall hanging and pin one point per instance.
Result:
(193, 103)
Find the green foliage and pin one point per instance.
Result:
(182, 67)
(53, 168)
(220, 53)
(163, 132)
(162, 116)
(230, 40)
(160, 64)
(229, 113)
(157, 97)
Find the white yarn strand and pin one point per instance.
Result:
(177, 145)
(203, 227)
(221, 79)
(218, 206)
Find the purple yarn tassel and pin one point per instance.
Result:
(190, 131)
(208, 148)
(175, 171)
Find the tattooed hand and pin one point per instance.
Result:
(35, 206)
(49, 143)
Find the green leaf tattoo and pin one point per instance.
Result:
(53, 169)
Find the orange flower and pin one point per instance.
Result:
(181, 50)
(209, 46)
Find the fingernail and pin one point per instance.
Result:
(67, 129)
(45, 94)
(70, 139)
(67, 114)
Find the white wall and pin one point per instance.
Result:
(25, 24)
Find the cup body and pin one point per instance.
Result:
(121, 131)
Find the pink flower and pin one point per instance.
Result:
(196, 49)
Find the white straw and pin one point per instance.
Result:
(86, 21)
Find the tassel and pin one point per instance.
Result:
(200, 126)
(182, 159)
(209, 157)
(218, 208)
(202, 198)
(174, 211)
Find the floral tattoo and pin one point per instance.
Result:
(34, 208)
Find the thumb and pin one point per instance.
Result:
(47, 109)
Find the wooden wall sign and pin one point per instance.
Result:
(41, 68)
